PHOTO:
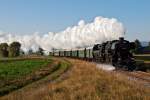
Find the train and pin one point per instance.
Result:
(116, 52)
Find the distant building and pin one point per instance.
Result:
(144, 44)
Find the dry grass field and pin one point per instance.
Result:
(83, 82)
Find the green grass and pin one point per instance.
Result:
(15, 74)
(143, 61)
(142, 57)
(17, 69)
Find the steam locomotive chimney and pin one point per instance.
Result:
(85, 53)
(121, 38)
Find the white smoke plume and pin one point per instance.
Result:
(82, 35)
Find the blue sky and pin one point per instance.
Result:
(29, 16)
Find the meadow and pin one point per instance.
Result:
(143, 60)
(84, 81)
(14, 72)
(16, 69)
(145, 57)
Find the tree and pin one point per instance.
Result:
(149, 44)
(30, 51)
(14, 49)
(40, 51)
(22, 52)
(4, 50)
(137, 45)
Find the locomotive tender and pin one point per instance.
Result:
(116, 52)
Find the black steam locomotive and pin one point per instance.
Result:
(116, 52)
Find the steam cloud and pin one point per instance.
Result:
(82, 35)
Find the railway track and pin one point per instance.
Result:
(135, 75)
(140, 77)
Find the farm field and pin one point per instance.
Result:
(17, 69)
(145, 58)
(18, 72)
(84, 81)
(14, 72)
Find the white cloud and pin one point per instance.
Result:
(84, 34)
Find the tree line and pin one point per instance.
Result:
(40, 51)
(14, 50)
(140, 49)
